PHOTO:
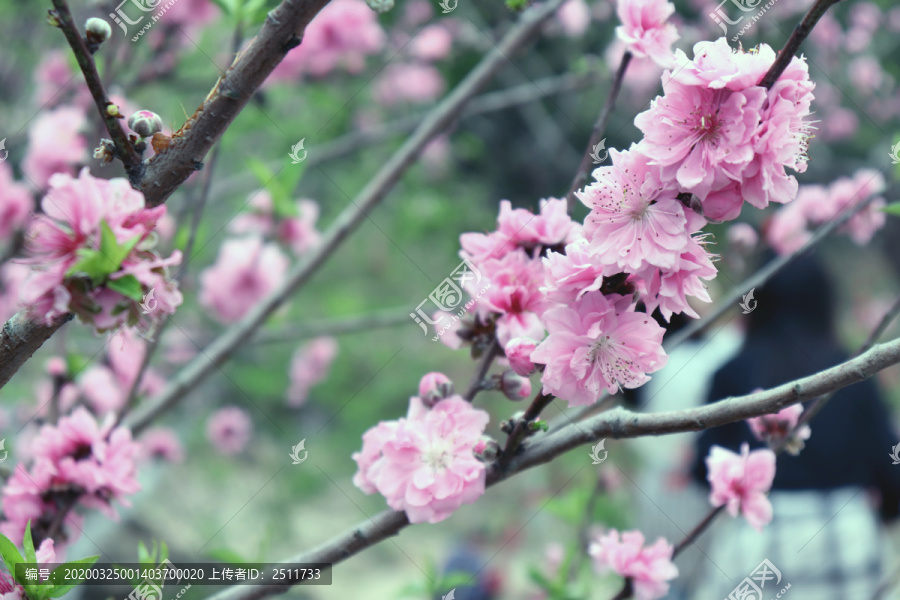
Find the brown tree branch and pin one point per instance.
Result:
(20, 338)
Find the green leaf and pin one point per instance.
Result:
(128, 286)
(28, 544)
(99, 264)
(892, 209)
(64, 588)
(10, 554)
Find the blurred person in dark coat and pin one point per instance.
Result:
(830, 501)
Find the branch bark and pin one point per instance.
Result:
(20, 338)
(350, 218)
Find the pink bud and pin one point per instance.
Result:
(434, 386)
(56, 367)
(514, 387)
(518, 351)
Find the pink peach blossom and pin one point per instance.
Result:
(161, 442)
(645, 29)
(245, 271)
(650, 568)
(598, 343)
(669, 289)
(15, 203)
(55, 144)
(309, 366)
(574, 17)
(518, 351)
(777, 427)
(434, 386)
(229, 429)
(408, 82)
(572, 274)
(740, 482)
(433, 43)
(515, 295)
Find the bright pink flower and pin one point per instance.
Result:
(309, 366)
(55, 144)
(433, 43)
(645, 29)
(244, 273)
(340, 36)
(518, 353)
(408, 82)
(595, 344)
(76, 455)
(74, 213)
(515, 294)
(741, 481)
(572, 274)
(520, 228)
(161, 442)
(425, 464)
(776, 427)
(635, 220)
(650, 568)
(229, 429)
(669, 289)
(15, 203)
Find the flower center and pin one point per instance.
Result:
(438, 455)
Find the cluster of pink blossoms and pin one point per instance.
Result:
(92, 254)
(788, 230)
(76, 461)
(650, 568)
(425, 464)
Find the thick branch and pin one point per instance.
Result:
(280, 33)
(126, 152)
(350, 218)
(20, 338)
(597, 133)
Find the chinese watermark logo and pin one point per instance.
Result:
(761, 575)
(295, 452)
(595, 153)
(745, 6)
(595, 452)
(448, 6)
(895, 153)
(145, 6)
(294, 155)
(451, 595)
(6, 152)
(748, 304)
(148, 302)
(3, 447)
(895, 456)
(447, 297)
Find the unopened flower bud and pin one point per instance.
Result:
(52, 18)
(518, 352)
(434, 387)
(56, 367)
(96, 31)
(380, 6)
(514, 386)
(113, 111)
(145, 123)
(105, 152)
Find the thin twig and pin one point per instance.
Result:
(124, 149)
(484, 365)
(597, 133)
(339, 326)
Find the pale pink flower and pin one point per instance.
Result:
(408, 82)
(433, 43)
(776, 427)
(669, 289)
(740, 482)
(643, 77)
(635, 220)
(296, 228)
(417, 12)
(15, 203)
(650, 568)
(425, 464)
(106, 387)
(518, 352)
(229, 429)
(52, 76)
(449, 337)
(245, 271)
(645, 29)
(55, 144)
(866, 74)
(743, 237)
(863, 226)
(515, 294)
(787, 229)
(574, 17)
(73, 213)
(162, 443)
(340, 36)
(839, 123)
(309, 366)
(521, 228)
(12, 276)
(572, 274)
(717, 65)
(595, 344)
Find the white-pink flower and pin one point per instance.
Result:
(740, 482)
(245, 271)
(598, 343)
(650, 568)
(425, 464)
(645, 29)
(229, 429)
